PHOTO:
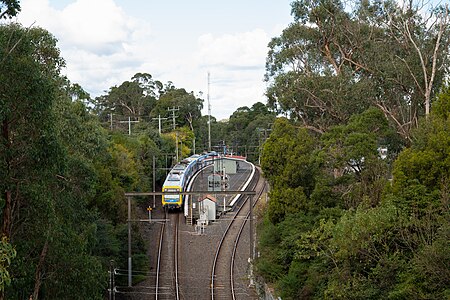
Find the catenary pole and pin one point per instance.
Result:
(129, 242)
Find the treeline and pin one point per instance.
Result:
(152, 105)
(344, 220)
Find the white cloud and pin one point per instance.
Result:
(99, 26)
(95, 25)
(236, 62)
(246, 49)
(103, 46)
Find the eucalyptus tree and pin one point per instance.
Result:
(247, 129)
(135, 98)
(186, 107)
(201, 132)
(338, 58)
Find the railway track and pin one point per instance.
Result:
(195, 257)
(167, 283)
(222, 281)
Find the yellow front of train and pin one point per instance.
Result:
(172, 201)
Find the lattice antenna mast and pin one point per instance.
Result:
(209, 118)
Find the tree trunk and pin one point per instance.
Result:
(6, 226)
(38, 274)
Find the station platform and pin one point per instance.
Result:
(194, 207)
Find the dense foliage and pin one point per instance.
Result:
(340, 57)
(344, 220)
(337, 227)
(63, 178)
(247, 129)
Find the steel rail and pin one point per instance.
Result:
(177, 286)
(219, 247)
(158, 293)
(161, 236)
(241, 229)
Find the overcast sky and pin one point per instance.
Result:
(105, 42)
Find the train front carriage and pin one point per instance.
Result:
(179, 177)
(172, 201)
(173, 183)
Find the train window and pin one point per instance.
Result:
(174, 177)
(179, 167)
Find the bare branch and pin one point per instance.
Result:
(443, 22)
(388, 114)
(412, 74)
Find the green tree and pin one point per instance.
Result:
(389, 242)
(287, 165)
(350, 159)
(36, 215)
(29, 75)
(189, 106)
(134, 98)
(9, 8)
(331, 63)
(247, 129)
(7, 253)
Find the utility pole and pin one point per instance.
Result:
(224, 185)
(176, 146)
(129, 124)
(252, 256)
(265, 130)
(159, 122)
(173, 110)
(209, 118)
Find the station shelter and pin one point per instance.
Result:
(229, 165)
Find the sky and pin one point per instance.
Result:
(106, 42)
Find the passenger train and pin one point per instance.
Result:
(179, 177)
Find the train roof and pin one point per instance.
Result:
(179, 167)
(174, 176)
(177, 172)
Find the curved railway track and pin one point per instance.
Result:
(222, 281)
(167, 286)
